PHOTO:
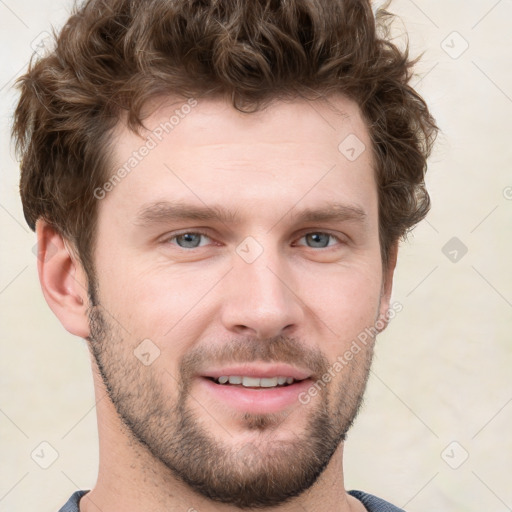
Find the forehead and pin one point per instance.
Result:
(206, 151)
(209, 121)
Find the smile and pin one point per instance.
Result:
(255, 382)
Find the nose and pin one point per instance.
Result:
(259, 298)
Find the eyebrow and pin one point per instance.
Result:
(167, 211)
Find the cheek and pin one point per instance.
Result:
(161, 303)
(345, 301)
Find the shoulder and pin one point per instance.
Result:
(72, 505)
(374, 504)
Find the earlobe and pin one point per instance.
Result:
(62, 279)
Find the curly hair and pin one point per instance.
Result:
(113, 56)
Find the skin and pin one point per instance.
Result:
(298, 302)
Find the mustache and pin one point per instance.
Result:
(278, 349)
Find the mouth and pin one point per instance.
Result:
(254, 382)
(251, 375)
(256, 388)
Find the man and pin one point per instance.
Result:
(218, 191)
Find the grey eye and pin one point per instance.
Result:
(318, 239)
(190, 240)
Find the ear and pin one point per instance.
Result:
(387, 286)
(63, 280)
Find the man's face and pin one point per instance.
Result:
(263, 292)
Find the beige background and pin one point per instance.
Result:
(442, 369)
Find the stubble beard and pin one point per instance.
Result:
(264, 472)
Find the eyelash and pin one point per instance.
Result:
(198, 232)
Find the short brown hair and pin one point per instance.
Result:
(112, 56)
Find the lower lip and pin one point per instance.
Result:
(256, 400)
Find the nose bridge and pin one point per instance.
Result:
(259, 296)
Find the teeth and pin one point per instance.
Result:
(250, 382)
(268, 383)
(255, 382)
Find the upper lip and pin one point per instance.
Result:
(260, 370)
